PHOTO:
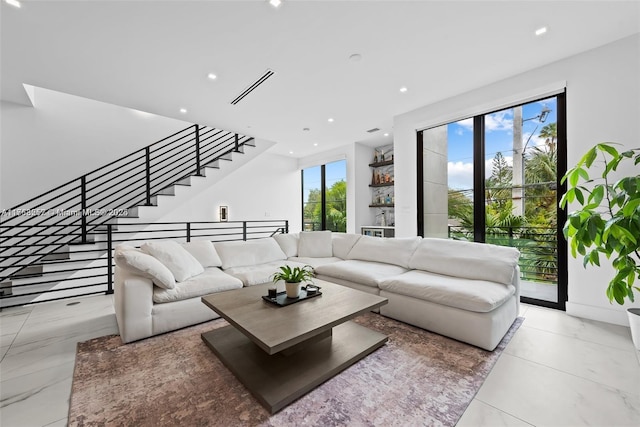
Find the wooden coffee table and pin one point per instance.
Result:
(282, 353)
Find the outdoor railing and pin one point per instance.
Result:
(538, 248)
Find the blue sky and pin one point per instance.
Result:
(499, 137)
(334, 171)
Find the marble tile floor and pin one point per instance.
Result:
(558, 370)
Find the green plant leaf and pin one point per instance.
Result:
(609, 149)
(589, 157)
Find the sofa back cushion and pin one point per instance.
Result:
(469, 260)
(315, 244)
(288, 243)
(204, 252)
(251, 252)
(343, 243)
(136, 261)
(394, 250)
(176, 258)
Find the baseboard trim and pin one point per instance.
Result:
(617, 317)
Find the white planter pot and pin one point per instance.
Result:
(634, 324)
(293, 289)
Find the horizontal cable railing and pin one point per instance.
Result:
(538, 248)
(88, 270)
(69, 213)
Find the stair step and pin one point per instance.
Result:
(30, 271)
(6, 288)
(251, 143)
(168, 191)
(57, 256)
(227, 156)
(215, 164)
(185, 181)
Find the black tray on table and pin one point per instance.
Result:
(282, 299)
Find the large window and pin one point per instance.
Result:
(324, 197)
(495, 178)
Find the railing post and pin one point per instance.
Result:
(198, 150)
(109, 259)
(83, 207)
(286, 226)
(511, 236)
(237, 145)
(148, 174)
(188, 231)
(244, 230)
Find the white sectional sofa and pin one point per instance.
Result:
(467, 291)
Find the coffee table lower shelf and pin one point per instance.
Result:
(279, 379)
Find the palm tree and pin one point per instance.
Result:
(550, 132)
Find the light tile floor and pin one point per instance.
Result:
(558, 370)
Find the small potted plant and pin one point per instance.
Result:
(607, 222)
(293, 278)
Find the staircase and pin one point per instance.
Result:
(54, 246)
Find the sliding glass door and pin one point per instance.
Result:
(501, 172)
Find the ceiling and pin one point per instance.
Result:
(155, 56)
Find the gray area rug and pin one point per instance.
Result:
(417, 378)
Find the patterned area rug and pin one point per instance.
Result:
(417, 378)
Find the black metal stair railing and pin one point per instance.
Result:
(69, 213)
(88, 269)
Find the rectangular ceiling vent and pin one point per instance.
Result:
(373, 130)
(253, 86)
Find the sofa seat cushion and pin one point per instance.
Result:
(257, 274)
(362, 272)
(472, 295)
(212, 280)
(314, 262)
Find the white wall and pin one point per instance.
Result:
(603, 104)
(266, 188)
(63, 137)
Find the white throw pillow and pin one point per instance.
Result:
(138, 262)
(176, 258)
(250, 252)
(288, 243)
(315, 244)
(204, 252)
(394, 250)
(343, 242)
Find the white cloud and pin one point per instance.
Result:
(460, 175)
(502, 120)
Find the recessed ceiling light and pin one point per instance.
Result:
(212, 76)
(14, 3)
(183, 110)
(356, 57)
(275, 3)
(541, 31)
(403, 89)
(290, 152)
(306, 129)
(386, 134)
(330, 120)
(315, 144)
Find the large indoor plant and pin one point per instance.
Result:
(293, 278)
(607, 221)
